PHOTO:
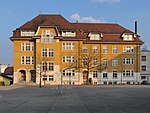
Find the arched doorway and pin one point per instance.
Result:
(22, 75)
(33, 75)
(85, 77)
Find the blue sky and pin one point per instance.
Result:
(14, 13)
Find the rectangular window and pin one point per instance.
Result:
(44, 66)
(114, 74)
(68, 72)
(32, 60)
(105, 62)
(27, 46)
(85, 61)
(47, 36)
(115, 50)
(51, 66)
(128, 49)
(105, 75)
(95, 37)
(68, 46)
(95, 61)
(143, 58)
(44, 78)
(95, 73)
(51, 53)
(23, 46)
(128, 73)
(114, 62)
(143, 68)
(105, 49)
(27, 59)
(22, 60)
(51, 78)
(128, 61)
(44, 52)
(95, 49)
(84, 49)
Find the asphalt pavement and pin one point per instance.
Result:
(75, 99)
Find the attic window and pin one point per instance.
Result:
(27, 33)
(68, 33)
(128, 37)
(95, 37)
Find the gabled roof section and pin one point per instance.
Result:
(48, 20)
(102, 28)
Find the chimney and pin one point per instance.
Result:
(135, 27)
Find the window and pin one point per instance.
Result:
(27, 33)
(27, 60)
(44, 66)
(84, 49)
(27, 46)
(105, 75)
(44, 78)
(128, 37)
(115, 50)
(128, 73)
(85, 61)
(95, 37)
(95, 73)
(114, 62)
(143, 68)
(47, 52)
(51, 66)
(105, 49)
(143, 58)
(95, 49)
(128, 61)
(95, 61)
(68, 59)
(51, 78)
(47, 36)
(22, 60)
(114, 74)
(68, 46)
(68, 72)
(105, 62)
(68, 33)
(129, 49)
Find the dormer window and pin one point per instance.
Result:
(127, 37)
(95, 36)
(27, 33)
(47, 36)
(68, 33)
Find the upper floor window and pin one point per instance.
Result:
(27, 46)
(47, 36)
(105, 62)
(85, 61)
(143, 68)
(128, 37)
(95, 37)
(128, 61)
(68, 46)
(114, 62)
(47, 66)
(27, 60)
(95, 61)
(129, 49)
(105, 49)
(95, 49)
(47, 52)
(115, 49)
(27, 33)
(84, 49)
(143, 58)
(68, 59)
(68, 33)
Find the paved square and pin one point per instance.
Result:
(76, 99)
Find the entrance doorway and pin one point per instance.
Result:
(33, 75)
(22, 75)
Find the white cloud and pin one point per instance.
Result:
(108, 1)
(88, 19)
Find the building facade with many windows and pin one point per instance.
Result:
(50, 50)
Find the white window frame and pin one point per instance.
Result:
(95, 49)
(105, 49)
(47, 36)
(85, 49)
(114, 49)
(115, 62)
